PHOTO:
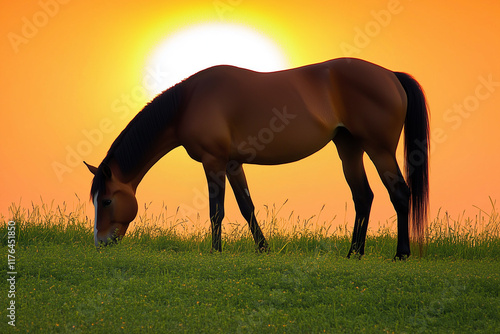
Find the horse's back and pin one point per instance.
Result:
(261, 118)
(284, 116)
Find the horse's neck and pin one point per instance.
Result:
(167, 142)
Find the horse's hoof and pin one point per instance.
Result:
(264, 249)
(355, 255)
(401, 257)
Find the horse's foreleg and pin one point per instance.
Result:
(238, 182)
(216, 179)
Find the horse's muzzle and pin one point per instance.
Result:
(107, 240)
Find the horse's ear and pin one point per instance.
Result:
(106, 170)
(92, 169)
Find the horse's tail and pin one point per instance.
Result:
(416, 141)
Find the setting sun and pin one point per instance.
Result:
(195, 48)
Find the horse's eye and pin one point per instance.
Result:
(106, 202)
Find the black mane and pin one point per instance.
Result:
(138, 136)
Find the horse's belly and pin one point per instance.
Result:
(280, 143)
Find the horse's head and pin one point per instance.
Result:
(115, 205)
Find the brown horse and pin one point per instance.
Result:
(226, 116)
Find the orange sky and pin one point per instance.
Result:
(64, 63)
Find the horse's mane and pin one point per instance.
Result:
(138, 136)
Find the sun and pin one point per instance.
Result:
(198, 47)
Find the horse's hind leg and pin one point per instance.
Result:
(238, 182)
(399, 193)
(351, 154)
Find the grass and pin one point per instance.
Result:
(161, 278)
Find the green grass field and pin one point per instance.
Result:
(158, 280)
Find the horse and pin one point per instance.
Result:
(226, 116)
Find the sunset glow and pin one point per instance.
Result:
(198, 47)
(74, 73)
